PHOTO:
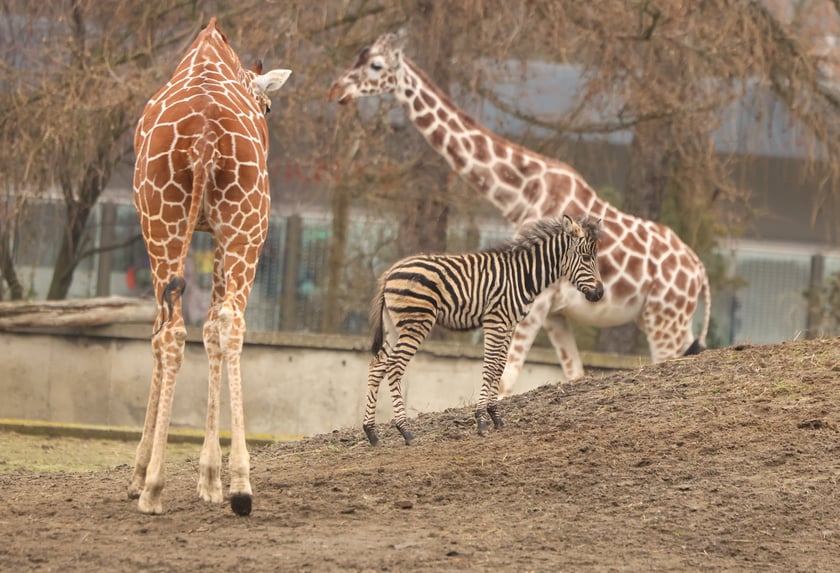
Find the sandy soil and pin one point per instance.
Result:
(728, 461)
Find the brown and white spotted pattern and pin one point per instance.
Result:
(201, 147)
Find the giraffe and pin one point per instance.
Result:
(650, 276)
(201, 147)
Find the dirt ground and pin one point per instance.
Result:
(728, 461)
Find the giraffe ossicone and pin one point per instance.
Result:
(201, 148)
(651, 277)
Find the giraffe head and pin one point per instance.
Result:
(213, 44)
(261, 85)
(374, 73)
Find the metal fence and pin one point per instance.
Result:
(290, 288)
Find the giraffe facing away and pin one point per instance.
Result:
(201, 147)
(650, 276)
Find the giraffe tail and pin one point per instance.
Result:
(699, 345)
(203, 156)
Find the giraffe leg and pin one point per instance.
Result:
(144, 449)
(563, 340)
(232, 329)
(497, 339)
(667, 336)
(376, 372)
(523, 338)
(171, 342)
(210, 461)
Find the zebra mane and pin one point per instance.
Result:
(591, 227)
(542, 230)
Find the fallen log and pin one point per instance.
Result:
(75, 312)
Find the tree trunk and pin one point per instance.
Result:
(78, 211)
(68, 253)
(644, 191)
(7, 264)
(424, 227)
(74, 313)
(331, 319)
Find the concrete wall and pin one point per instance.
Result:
(294, 385)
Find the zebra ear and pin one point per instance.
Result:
(568, 224)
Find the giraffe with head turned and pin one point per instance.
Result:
(201, 147)
(650, 276)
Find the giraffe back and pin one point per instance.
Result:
(209, 96)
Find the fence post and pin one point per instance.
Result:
(106, 239)
(291, 265)
(815, 284)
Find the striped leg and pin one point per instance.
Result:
(496, 342)
(523, 338)
(376, 371)
(408, 341)
(404, 351)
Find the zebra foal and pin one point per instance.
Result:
(490, 289)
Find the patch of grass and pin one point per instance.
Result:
(75, 455)
(781, 388)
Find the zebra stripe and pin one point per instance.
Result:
(490, 289)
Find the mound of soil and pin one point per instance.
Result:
(724, 461)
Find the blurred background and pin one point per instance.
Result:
(719, 119)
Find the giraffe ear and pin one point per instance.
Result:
(401, 40)
(272, 81)
(394, 42)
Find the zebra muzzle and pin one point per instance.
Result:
(594, 294)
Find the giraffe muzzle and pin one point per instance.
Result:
(337, 94)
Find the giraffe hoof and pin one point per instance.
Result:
(240, 503)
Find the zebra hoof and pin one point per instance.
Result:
(371, 435)
(497, 420)
(483, 427)
(408, 437)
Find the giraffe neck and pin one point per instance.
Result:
(506, 174)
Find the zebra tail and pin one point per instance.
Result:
(377, 307)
